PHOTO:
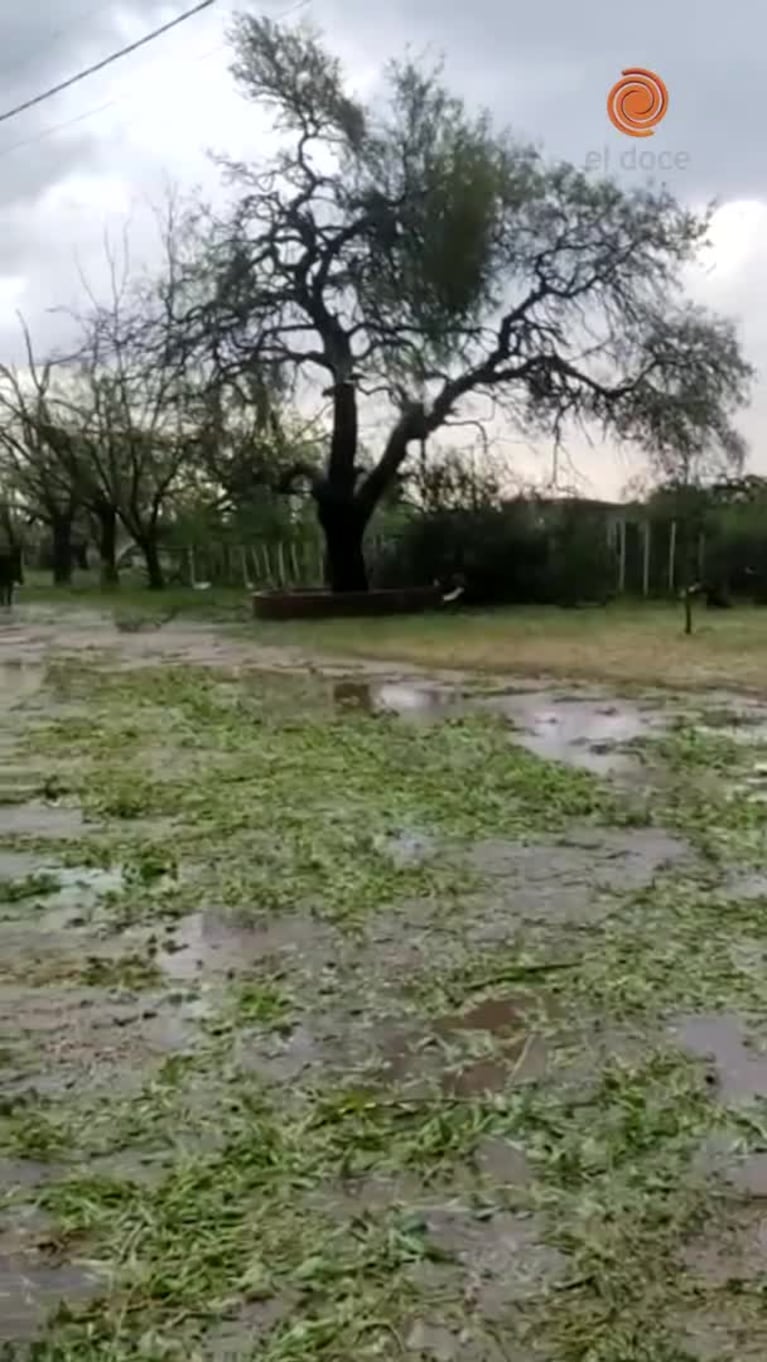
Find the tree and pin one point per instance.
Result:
(130, 429)
(687, 413)
(30, 454)
(414, 260)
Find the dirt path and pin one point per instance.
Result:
(354, 1013)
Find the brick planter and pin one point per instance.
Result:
(324, 605)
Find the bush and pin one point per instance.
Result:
(514, 554)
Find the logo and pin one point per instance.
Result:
(637, 102)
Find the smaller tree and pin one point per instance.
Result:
(31, 459)
(685, 413)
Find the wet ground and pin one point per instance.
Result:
(365, 1015)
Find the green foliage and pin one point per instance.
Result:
(511, 554)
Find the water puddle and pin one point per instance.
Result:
(740, 1069)
(82, 887)
(587, 731)
(36, 819)
(513, 1053)
(502, 1255)
(570, 882)
(234, 1340)
(18, 680)
(746, 887)
(16, 1174)
(219, 941)
(406, 849)
(76, 886)
(730, 1334)
(64, 1037)
(732, 1251)
(33, 1284)
(501, 1163)
(749, 1176)
(31, 1290)
(408, 699)
(737, 717)
(17, 865)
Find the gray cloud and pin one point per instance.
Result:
(547, 68)
(544, 69)
(43, 43)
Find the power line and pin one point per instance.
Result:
(91, 113)
(53, 128)
(107, 61)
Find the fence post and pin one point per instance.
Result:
(646, 564)
(280, 565)
(243, 566)
(622, 556)
(672, 557)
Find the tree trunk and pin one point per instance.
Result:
(107, 518)
(343, 525)
(149, 548)
(61, 530)
(81, 556)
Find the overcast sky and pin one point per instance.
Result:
(88, 158)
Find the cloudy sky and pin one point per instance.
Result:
(97, 155)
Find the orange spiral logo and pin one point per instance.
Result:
(637, 102)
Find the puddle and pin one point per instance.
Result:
(583, 731)
(31, 1290)
(74, 889)
(588, 731)
(741, 1071)
(323, 1042)
(19, 1173)
(730, 1335)
(735, 716)
(17, 865)
(503, 1256)
(221, 941)
(732, 1251)
(518, 1054)
(40, 820)
(562, 882)
(18, 680)
(499, 1016)
(81, 887)
(746, 887)
(408, 699)
(33, 1285)
(69, 1038)
(234, 1340)
(749, 1177)
(502, 1163)
(434, 1341)
(406, 848)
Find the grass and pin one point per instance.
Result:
(626, 643)
(254, 800)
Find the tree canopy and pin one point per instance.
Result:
(411, 257)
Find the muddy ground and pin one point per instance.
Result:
(348, 1014)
